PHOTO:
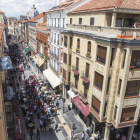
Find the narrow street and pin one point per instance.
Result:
(63, 119)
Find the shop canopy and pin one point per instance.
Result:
(27, 49)
(20, 40)
(19, 130)
(71, 94)
(52, 78)
(38, 60)
(81, 106)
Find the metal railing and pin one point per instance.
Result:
(97, 85)
(133, 93)
(102, 60)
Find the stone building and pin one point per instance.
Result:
(101, 61)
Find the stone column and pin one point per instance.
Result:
(130, 132)
(113, 22)
(107, 132)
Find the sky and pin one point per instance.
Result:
(14, 8)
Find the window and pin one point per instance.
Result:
(65, 41)
(70, 42)
(78, 43)
(64, 74)
(55, 22)
(101, 55)
(58, 22)
(95, 104)
(77, 63)
(65, 58)
(132, 88)
(51, 37)
(69, 76)
(52, 21)
(98, 81)
(63, 22)
(70, 20)
(86, 87)
(54, 37)
(89, 49)
(124, 56)
(119, 88)
(112, 55)
(128, 114)
(135, 60)
(69, 60)
(80, 21)
(108, 84)
(58, 40)
(91, 21)
(87, 69)
(76, 82)
(115, 112)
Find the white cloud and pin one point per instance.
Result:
(21, 7)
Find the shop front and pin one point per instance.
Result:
(82, 110)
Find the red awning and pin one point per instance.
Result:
(20, 40)
(19, 130)
(86, 80)
(81, 106)
(75, 72)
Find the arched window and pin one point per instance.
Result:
(78, 43)
(89, 47)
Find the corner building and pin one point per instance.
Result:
(101, 62)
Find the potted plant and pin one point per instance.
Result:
(88, 54)
(131, 67)
(77, 49)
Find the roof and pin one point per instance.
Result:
(64, 5)
(42, 26)
(1, 31)
(1, 12)
(9, 18)
(3, 25)
(36, 18)
(97, 5)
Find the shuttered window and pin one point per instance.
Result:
(87, 69)
(77, 63)
(119, 88)
(124, 56)
(98, 81)
(128, 114)
(78, 43)
(65, 58)
(64, 74)
(112, 56)
(65, 41)
(132, 88)
(89, 47)
(101, 55)
(95, 104)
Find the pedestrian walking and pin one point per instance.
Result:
(83, 135)
(44, 125)
(86, 136)
(38, 134)
(31, 134)
(72, 135)
(41, 124)
(56, 126)
(50, 127)
(57, 105)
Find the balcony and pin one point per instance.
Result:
(85, 77)
(74, 87)
(88, 55)
(101, 60)
(120, 31)
(98, 85)
(75, 70)
(132, 93)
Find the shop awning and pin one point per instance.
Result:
(27, 49)
(39, 61)
(81, 106)
(71, 94)
(52, 78)
(19, 130)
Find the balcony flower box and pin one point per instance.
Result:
(77, 50)
(132, 67)
(88, 55)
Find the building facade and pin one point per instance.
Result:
(32, 23)
(101, 62)
(10, 21)
(57, 23)
(3, 44)
(42, 44)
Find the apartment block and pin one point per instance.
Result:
(101, 66)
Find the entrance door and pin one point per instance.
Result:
(119, 22)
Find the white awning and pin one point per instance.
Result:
(52, 78)
(39, 61)
(71, 94)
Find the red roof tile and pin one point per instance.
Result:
(36, 18)
(3, 25)
(42, 26)
(1, 12)
(97, 5)
(64, 5)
